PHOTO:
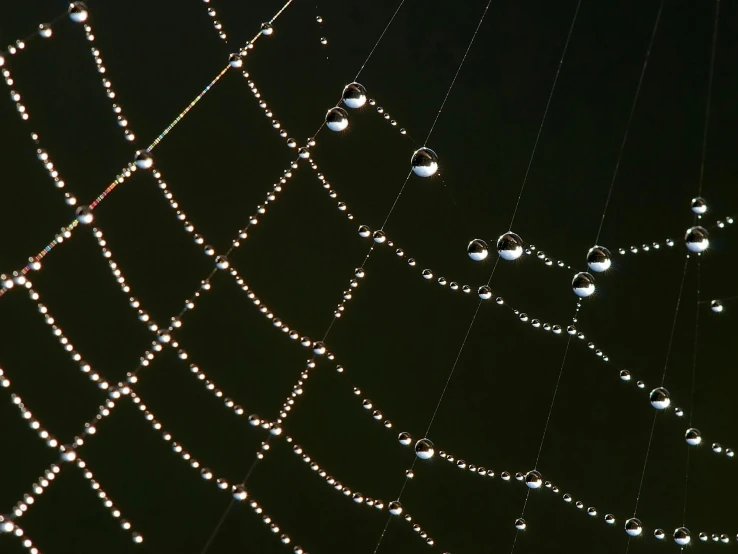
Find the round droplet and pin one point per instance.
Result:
(693, 436)
(716, 306)
(395, 508)
(424, 162)
(239, 493)
(520, 524)
(598, 259)
(319, 348)
(405, 438)
(323, 41)
(533, 479)
(78, 12)
(660, 398)
(609, 519)
(364, 231)
(235, 61)
(510, 246)
(625, 375)
(267, 29)
(144, 160)
(379, 237)
(354, 95)
(84, 215)
(682, 536)
(659, 534)
(336, 119)
(68, 454)
(424, 449)
(221, 262)
(477, 250)
(485, 293)
(699, 206)
(583, 284)
(6, 525)
(319, 19)
(44, 30)
(304, 153)
(697, 239)
(633, 527)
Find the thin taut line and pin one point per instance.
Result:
(709, 95)
(673, 324)
(458, 70)
(630, 118)
(379, 40)
(545, 113)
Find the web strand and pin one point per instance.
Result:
(630, 119)
(674, 322)
(645, 464)
(458, 70)
(545, 113)
(389, 23)
(694, 379)
(553, 400)
(653, 426)
(709, 95)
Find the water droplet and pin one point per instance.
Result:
(598, 259)
(693, 436)
(221, 262)
(424, 449)
(682, 536)
(84, 215)
(583, 284)
(660, 398)
(477, 250)
(697, 239)
(78, 12)
(485, 293)
(336, 119)
(239, 493)
(144, 160)
(354, 95)
(424, 162)
(510, 246)
(699, 206)
(533, 479)
(633, 527)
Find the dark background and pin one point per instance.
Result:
(400, 334)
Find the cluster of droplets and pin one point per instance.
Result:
(217, 25)
(143, 160)
(238, 491)
(120, 117)
(79, 13)
(68, 454)
(424, 163)
(44, 30)
(659, 397)
(163, 337)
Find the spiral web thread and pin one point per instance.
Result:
(71, 452)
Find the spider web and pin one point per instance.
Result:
(169, 341)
